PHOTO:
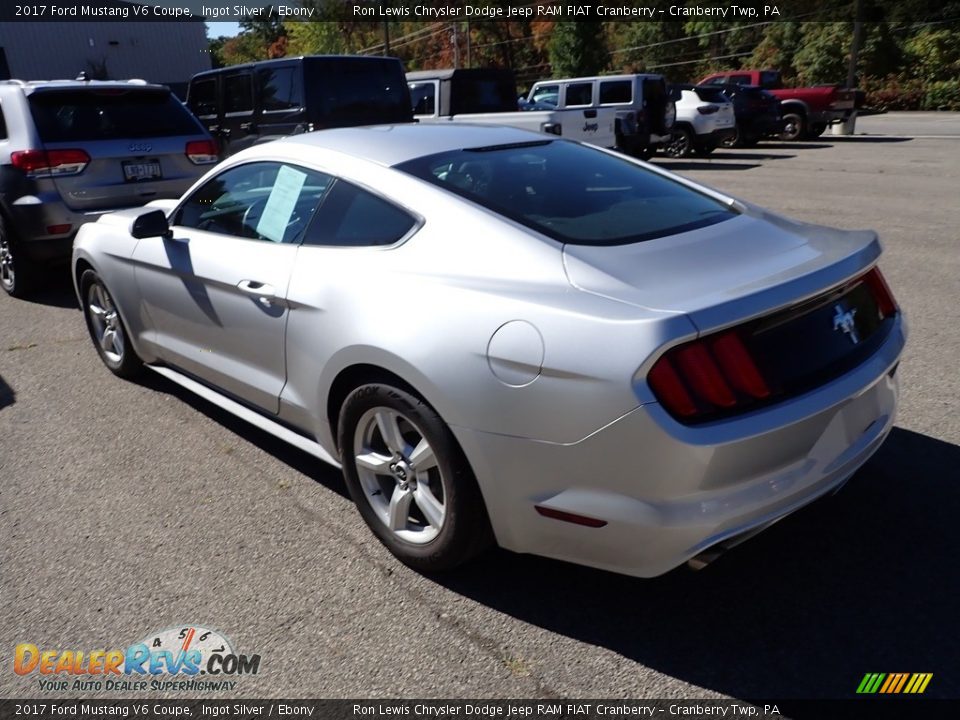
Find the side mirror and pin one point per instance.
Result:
(151, 224)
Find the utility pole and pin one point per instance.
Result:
(855, 44)
(456, 45)
(469, 58)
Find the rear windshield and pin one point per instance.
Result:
(570, 192)
(482, 94)
(83, 115)
(709, 94)
(363, 91)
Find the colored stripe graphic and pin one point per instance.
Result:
(894, 683)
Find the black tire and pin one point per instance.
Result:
(735, 140)
(702, 150)
(680, 145)
(817, 130)
(464, 529)
(17, 273)
(121, 359)
(794, 127)
(645, 153)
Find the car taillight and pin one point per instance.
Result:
(881, 293)
(707, 375)
(202, 152)
(718, 375)
(50, 163)
(707, 109)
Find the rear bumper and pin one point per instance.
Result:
(714, 138)
(763, 125)
(828, 117)
(667, 491)
(32, 222)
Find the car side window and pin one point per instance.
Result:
(740, 79)
(203, 97)
(237, 93)
(3, 125)
(258, 201)
(579, 94)
(423, 96)
(353, 217)
(279, 89)
(548, 94)
(615, 92)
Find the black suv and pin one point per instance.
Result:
(243, 105)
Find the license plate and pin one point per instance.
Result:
(140, 170)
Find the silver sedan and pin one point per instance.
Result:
(508, 338)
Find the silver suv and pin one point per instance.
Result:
(71, 150)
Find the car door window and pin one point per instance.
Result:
(616, 92)
(353, 217)
(203, 97)
(279, 89)
(740, 79)
(579, 94)
(237, 93)
(546, 94)
(424, 98)
(257, 201)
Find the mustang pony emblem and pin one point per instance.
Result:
(843, 321)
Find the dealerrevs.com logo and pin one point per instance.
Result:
(172, 659)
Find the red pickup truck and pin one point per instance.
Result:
(806, 111)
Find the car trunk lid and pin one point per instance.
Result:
(725, 273)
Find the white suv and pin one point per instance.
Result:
(705, 118)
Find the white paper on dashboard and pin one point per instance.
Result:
(283, 199)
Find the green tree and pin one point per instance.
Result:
(315, 38)
(577, 48)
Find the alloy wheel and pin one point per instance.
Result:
(8, 275)
(105, 323)
(400, 475)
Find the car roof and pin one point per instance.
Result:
(394, 144)
(292, 60)
(30, 86)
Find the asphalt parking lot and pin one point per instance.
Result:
(130, 508)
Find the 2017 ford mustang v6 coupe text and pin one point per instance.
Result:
(506, 337)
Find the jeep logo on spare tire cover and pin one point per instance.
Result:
(140, 147)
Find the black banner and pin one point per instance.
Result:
(733, 11)
(878, 708)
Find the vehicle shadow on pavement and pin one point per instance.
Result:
(55, 288)
(7, 395)
(794, 146)
(296, 459)
(869, 139)
(863, 581)
(685, 165)
(740, 154)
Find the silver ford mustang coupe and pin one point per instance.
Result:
(506, 337)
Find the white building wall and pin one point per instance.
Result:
(163, 52)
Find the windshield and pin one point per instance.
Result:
(570, 192)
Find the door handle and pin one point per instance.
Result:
(266, 294)
(590, 113)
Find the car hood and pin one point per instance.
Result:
(724, 273)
